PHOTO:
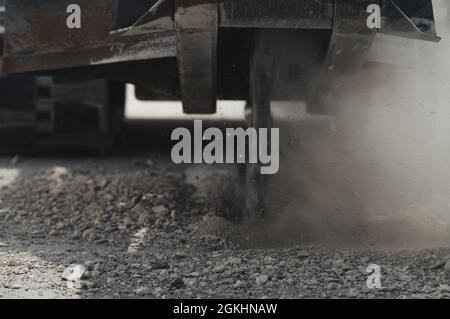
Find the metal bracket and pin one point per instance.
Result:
(197, 24)
(410, 19)
(351, 37)
(350, 41)
(158, 18)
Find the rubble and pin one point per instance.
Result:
(192, 256)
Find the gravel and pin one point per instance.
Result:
(110, 228)
(261, 280)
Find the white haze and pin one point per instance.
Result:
(378, 174)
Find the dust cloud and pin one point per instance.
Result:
(378, 173)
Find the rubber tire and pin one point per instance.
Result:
(258, 115)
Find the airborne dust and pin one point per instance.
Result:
(377, 174)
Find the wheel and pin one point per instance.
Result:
(284, 64)
(258, 115)
(44, 113)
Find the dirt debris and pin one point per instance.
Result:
(116, 222)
